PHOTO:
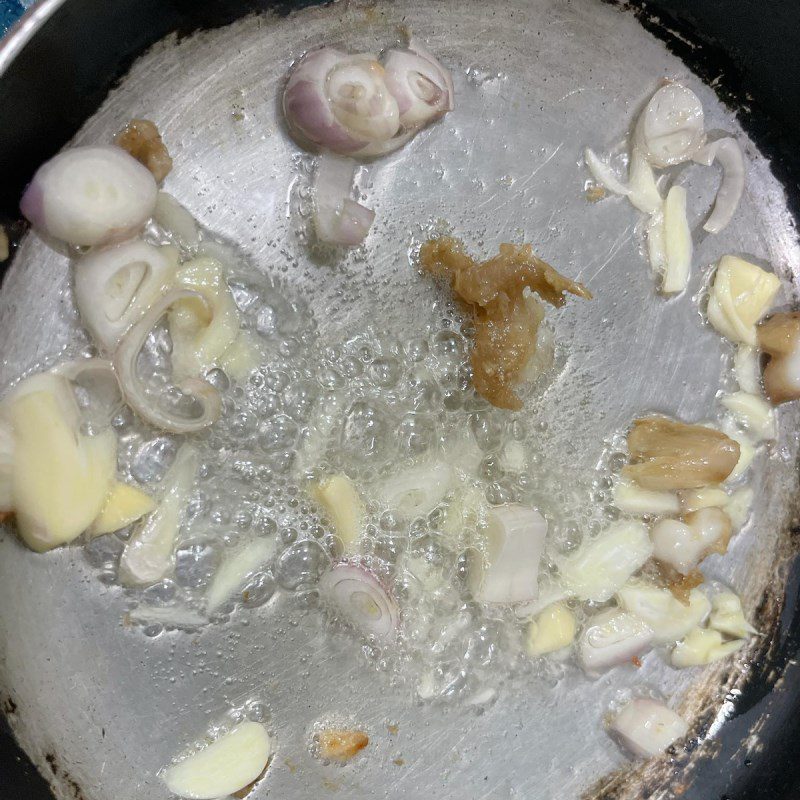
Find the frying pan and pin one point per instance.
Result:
(99, 707)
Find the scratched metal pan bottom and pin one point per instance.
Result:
(99, 704)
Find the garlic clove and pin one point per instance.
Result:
(703, 646)
(603, 566)
(124, 505)
(235, 570)
(611, 638)
(647, 728)
(740, 295)
(342, 504)
(668, 618)
(227, 765)
(631, 498)
(728, 618)
(552, 630)
(677, 242)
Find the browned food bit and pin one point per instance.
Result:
(340, 745)
(672, 455)
(140, 137)
(779, 337)
(681, 585)
(506, 314)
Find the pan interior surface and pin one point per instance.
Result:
(110, 701)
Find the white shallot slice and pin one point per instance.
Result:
(647, 728)
(416, 491)
(612, 637)
(729, 155)
(416, 46)
(116, 285)
(92, 195)
(677, 242)
(224, 767)
(670, 130)
(603, 174)
(338, 219)
(149, 553)
(603, 566)
(339, 102)
(682, 545)
(669, 618)
(236, 569)
(509, 572)
(125, 359)
(642, 190)
(419, 86)
(358, 597)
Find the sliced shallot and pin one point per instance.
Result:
(515, 536)
(729, 155)
(357, 596)
(338, 219)
(419, 86)
(647, 728)
(611, 638)
(416, 491)
(125, 359)
(115, 286)
(90, 195)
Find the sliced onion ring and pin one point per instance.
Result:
(418, 85)
(131, 384)
(729, 155)
(337, 218)
(359, 598)
(415, 46)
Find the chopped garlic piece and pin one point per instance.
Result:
(741, 294)
(339, 498)
(236, 569)
(229, 764)
(703, 646)
(61, 477)
(241, 357)
(677, 242)
(656, 247)
(753, 412)
(177, 221)
(631, 498)
(708, 497)
(745, 369)
(340, 745)
(668, 617)
(738, 506)
(682, 545)
(554, 629)
(747, 450)
(728, 617)
(602, 566)
(124, 505)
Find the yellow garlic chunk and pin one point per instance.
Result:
(703, 646)
(241, 358)
(631, 498)
(553, 629)
(728, 617)
(61, 477)
(738, 506)
(124, 505)
(342, 504)
(741, 294)
(707, 497)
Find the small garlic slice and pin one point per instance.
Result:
(647, 727)
(708, 497)
(341, 502)
(677, 242)
(740, 295)
(552, 630)
(630, 498)
(229, 764)
(745, 369)
(703, 646)
(124, 505)
(603, 566)
(236, 569)
(668, 617)
(754, 413)
(747, 450)
(738, 507)
(727, 616)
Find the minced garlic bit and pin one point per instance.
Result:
(728, 618)
(779, 337)
(741, 294)
(140, 138)
(505, 313)
(341, 502)
(552, 630)
(340, 745)
(672, 455)
(703, 646)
